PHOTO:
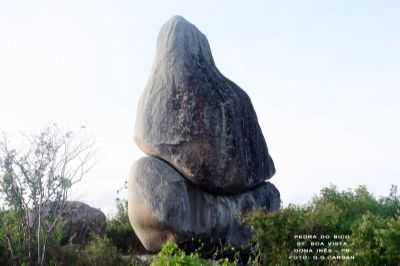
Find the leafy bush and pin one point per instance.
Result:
(391, 236)
(171, 255)
(390, 206)
(100, 252)
(373, 224)
(63, 255)
(4, 258)
(120, 231)
(4, 253)
(376, 241)
(11, 239)
(351, 204)
(273, 234)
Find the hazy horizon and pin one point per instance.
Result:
(323, 78)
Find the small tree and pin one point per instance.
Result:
(36, 177)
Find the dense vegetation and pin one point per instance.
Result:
(370, 228)
(336, 228)
(372, 224)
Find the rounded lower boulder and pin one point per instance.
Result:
(164, 206)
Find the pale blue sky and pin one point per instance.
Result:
(323, 77)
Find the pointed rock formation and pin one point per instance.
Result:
(208, 160)
(196, 119)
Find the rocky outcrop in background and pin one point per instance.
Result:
(77, 221)
(208, 160)
(80, 220)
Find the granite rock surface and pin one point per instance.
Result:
(196, 119)
(164, 206)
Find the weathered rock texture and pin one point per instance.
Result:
(80, 220)
(77, 220)
(196, 119)
(208, 161)
(163, 206)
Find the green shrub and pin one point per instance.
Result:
(4, 253)
(391, 236)
(119, 229)
(100, 252)
(273, 234)
(351, 204)
(373, 225)
(4, 257)
(120, 232)
(171, 255)
(376, 241)
(11, 240)
(390, 205)
(63, 255)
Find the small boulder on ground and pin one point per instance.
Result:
(77, 221)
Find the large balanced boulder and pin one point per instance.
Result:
(196, 119)
(208, 161)
(164, 206)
